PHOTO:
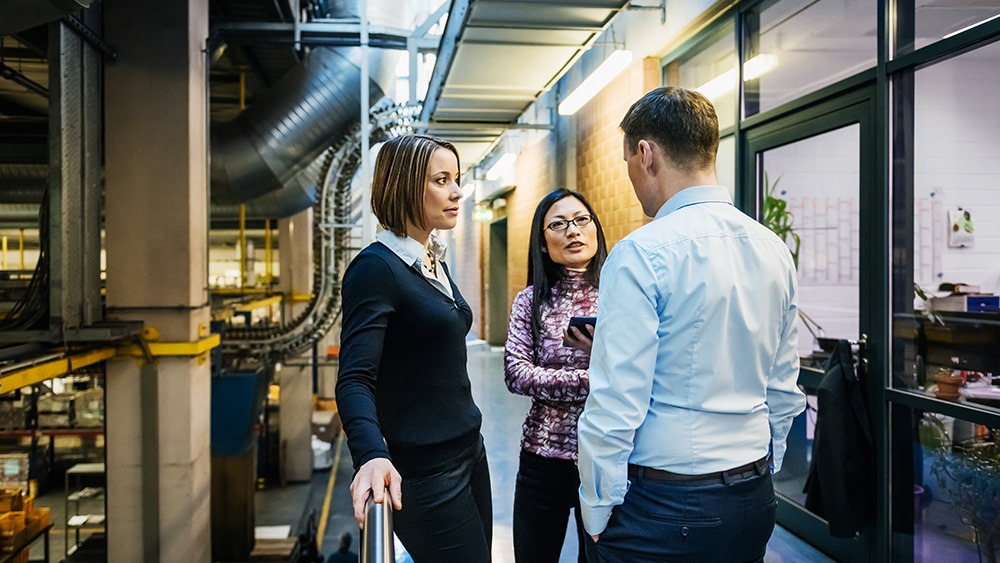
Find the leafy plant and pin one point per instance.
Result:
(971, 475)
(929, 311)
(776, 216)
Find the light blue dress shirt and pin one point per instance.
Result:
(694, 363)
(412, 253)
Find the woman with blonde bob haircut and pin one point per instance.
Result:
(403, 390)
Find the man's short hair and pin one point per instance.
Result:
(681, 122)
(400, 179)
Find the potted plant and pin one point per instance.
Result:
(948, 384)
(776, 216)
(971, 476)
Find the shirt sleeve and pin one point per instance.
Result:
(622, 365)
(367, 306)
(784, 398)
(523, 376)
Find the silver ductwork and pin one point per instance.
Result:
(23, 183)
(272, 149)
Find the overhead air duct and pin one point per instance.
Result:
(272, 147)
(23, 183)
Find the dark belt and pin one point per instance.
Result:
(751, 469)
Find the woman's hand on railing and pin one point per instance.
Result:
(374, 477)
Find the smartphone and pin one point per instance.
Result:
(580, 323)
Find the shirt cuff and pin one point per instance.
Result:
(595, 520)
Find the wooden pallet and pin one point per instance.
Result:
(285, 550)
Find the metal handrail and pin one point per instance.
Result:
(376, 534)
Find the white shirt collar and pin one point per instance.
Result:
(409, 250)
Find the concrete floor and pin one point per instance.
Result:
(940, 537)
(503, 413)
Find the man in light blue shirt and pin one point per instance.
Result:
(694, 364)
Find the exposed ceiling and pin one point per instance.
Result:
(504, 54)
(496, 58)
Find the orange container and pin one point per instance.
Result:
(12, 532)
(11, 499)
(43, 515)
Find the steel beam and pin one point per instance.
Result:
(36, 373)
(458, 15)
(75, 126)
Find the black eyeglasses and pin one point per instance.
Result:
(580, 222)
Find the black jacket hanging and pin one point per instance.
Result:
(841, 483)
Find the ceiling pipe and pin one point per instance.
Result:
(272, 148)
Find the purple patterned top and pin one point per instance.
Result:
(557, 382)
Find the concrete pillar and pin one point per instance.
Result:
(158, 458)
(295, 378)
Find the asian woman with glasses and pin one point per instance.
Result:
(547, 360)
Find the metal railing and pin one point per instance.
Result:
(376, 535)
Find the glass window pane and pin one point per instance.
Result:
(955, 470)
(817, 182)
(725, 164)
(935, 20)
(795, 47)
(711, 69)
(946, 254)
(812, 186)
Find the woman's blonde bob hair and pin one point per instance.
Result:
(400, 179)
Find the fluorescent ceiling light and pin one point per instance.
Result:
(467, 190)
(967, 28)
(609, 69)
(727, 80)
(500, 166)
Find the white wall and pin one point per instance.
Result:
(819, 178)
(957, 164)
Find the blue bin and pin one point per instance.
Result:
(237, 400)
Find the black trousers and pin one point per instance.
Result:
(723, 521)
(545, 491)
(447, 517)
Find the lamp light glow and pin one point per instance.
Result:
(609, 69)
(759, 65)
(726, 81)
(500, 166)
(468, 190)
(719, 85)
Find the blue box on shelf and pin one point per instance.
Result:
(237, 400)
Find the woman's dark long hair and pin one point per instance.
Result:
(543, 273)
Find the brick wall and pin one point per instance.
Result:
(601, 174)
(464, 261)
(601, 177)
(535, 179)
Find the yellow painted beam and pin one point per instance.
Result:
(237, 291)
(55, 368)
(259, 303)
(196, 348)
(297, 297)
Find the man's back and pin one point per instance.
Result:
(694, 365)
(723, 292)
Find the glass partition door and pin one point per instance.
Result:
(808, 171)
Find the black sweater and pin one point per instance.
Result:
(402, 373)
